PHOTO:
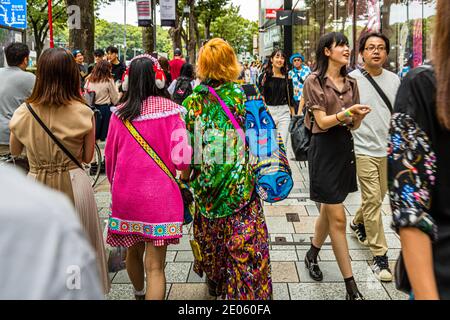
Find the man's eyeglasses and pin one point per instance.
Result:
(297, 60)
(373, 48)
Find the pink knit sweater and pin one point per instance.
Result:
(145, 201)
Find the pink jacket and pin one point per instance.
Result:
(142, 194)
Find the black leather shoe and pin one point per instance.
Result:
(314, 270)
(355, 296)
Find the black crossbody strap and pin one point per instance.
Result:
(379, 90)
(59, 144)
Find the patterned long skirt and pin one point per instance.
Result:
(235, 253)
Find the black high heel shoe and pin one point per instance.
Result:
(314, 271)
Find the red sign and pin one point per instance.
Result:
(271, 13)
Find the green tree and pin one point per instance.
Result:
(208, 12)
(237, 30)
(38, 20)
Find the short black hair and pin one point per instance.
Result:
(363, 41)
(112, 50)
(15, 53)
(99, 53)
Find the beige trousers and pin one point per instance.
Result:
(372, 176)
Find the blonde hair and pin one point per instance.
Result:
(217, 61)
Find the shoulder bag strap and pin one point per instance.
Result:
(288, 93)
(379, 90)
(148, 149)
(229, 114)
(52, 136)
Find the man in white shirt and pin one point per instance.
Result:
(371, 141)
(44, 252)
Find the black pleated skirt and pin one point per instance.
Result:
(332, 166)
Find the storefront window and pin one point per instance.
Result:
(407, 23)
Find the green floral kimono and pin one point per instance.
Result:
(224, 179)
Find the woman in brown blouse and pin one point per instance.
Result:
(332, 101)
(57, 102)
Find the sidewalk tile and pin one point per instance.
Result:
(280, 211)
(393, 241)
(284, 272)
(121, 278)
(301, 255)
(288, 236)
(189, 291)
(287, 202)
(393, 292)
(170, 256)
(361, 255)
(290, 255)
(184, 256)
(352, 209)
(279, 225)
(312, 210)
(326, 255)
(306, 225)
(121, 292)
(183, 245)
(331, 272)
(194, 278)
(334, 291)
(280, 291)
(126, 292)
(276, 247)
(177, 271)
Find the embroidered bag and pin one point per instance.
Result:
(188, 198)
(267, 153)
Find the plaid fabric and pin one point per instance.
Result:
(157, 108)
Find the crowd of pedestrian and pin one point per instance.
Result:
(368, 129)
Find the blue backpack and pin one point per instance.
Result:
(267, 152)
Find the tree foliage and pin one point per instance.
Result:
(37, 16)
(237, 30)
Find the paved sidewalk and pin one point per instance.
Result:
(291, 226)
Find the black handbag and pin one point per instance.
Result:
(401, 276)
(300, 137)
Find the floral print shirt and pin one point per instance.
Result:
(223, 179)
(412, 167)
(415, 182)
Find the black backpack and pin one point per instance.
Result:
(183, 89)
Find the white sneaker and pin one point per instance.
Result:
(380, 268)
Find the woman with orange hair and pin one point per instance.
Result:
(229, 224)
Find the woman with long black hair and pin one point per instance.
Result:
(333, 109)
(278, 92)
(147, 206)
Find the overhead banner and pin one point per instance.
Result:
(168, 12)
(144, 12)
(271, 13)
(13, 13)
